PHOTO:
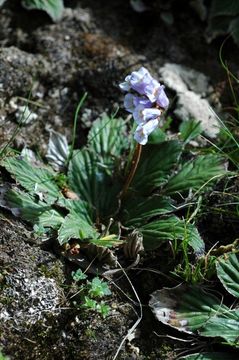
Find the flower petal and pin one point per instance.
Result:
(140, 79)
(162, 99)
(144, 130)
(142, 114)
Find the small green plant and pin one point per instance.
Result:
(92, 292)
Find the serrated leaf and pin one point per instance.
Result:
(192, 310)
(228, 272)
(78, 206)
(210, 356)
(189, 130)
(139, 210)
(25, 206)
(155, 166)
(90, 180)
(174, 229)
(75, 226)
(54, 8)
(58, 150)
(196, 174)
(34, 179)
(108, 138)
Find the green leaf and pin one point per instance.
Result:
(78, 275)
(157, 137)
(155, 166)
(193, 310)
(108, 138)
(189, 130)
(76, 226)
(35, 180)
(36, 212)
(98, 288)
(54, 8)
(228, 272)
(210, 356)
(139, 210)
(90, 180)
(196, 174)
(107, 241)
(173, 229)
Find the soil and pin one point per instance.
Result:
(53, 64)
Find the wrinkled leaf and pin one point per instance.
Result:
(108, 138)
(54, 8)
(192, 310)
(228, 272)
(25, 206)
(36, 180)
(155, 166)
(189, 130)
(196, 174)
(58, 150)
(173, 229)
(139, 210)
(90, 180)
(76, 225)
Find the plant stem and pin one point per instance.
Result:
(134, 165)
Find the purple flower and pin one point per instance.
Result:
(137, 81)
(131, 102)
(148, 105)
(144, 130)
(142, 114)
(155, 92)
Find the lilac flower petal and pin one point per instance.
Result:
(162, 99)
(142, 101)
(142, 114)
(129, 102)
(151, 90)
(126, 86)
(140, 79)
(144, 130)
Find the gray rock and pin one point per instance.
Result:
(191, 106)
(193, 91)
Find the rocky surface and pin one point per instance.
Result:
(48, 67)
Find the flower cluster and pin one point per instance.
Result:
(146, 103)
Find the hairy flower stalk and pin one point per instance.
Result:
(146, 101)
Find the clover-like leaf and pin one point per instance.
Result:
(54, 8)
(228, 272)
(192, 310)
